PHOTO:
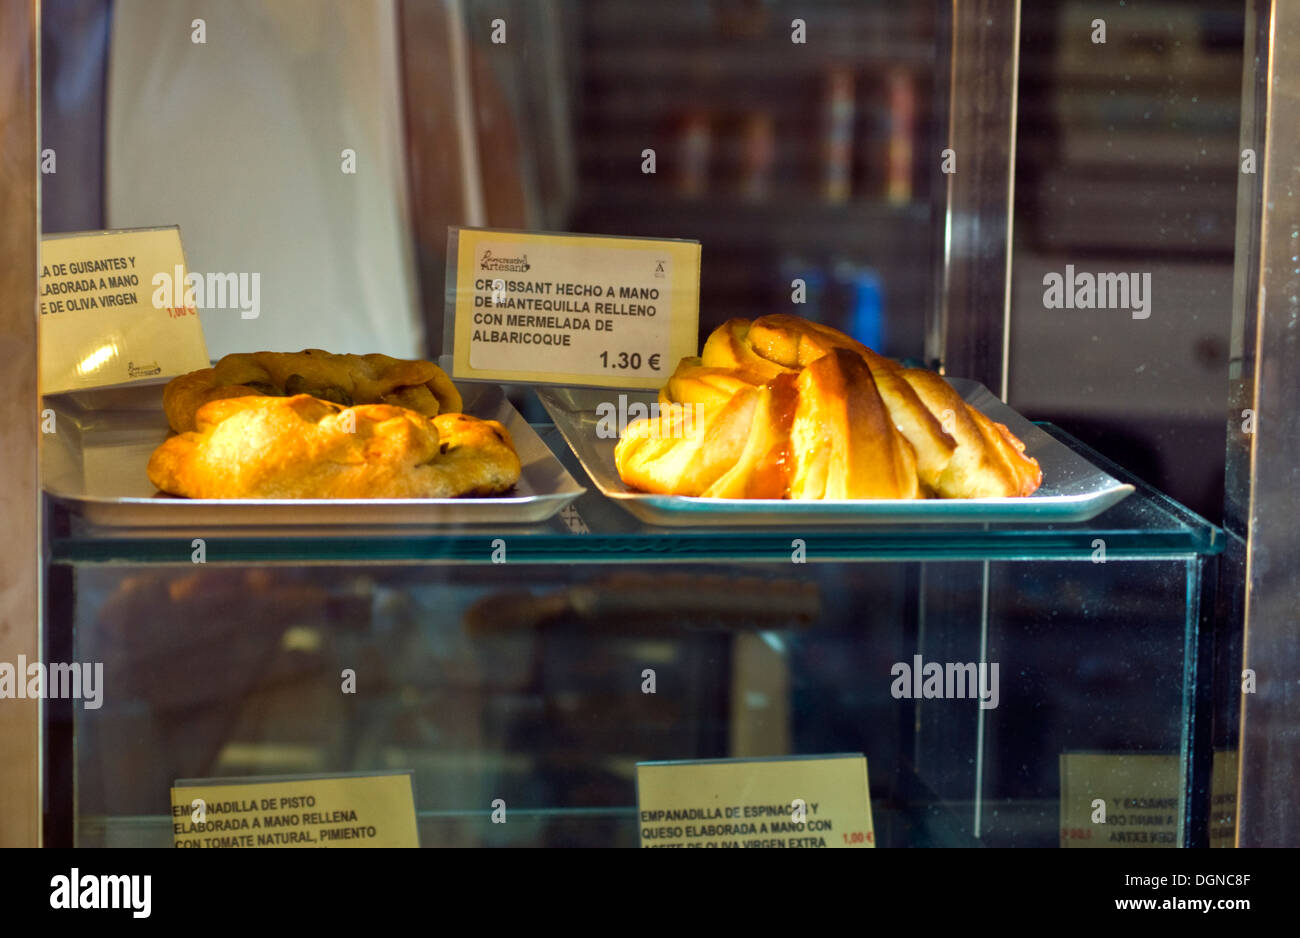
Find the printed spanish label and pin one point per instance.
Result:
(297, 811)
(1119, 800)
(813, 801)
(572, 309)
(105, 318)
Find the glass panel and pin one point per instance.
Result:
(794, 140)
(800, 166)
(527, 684)
(786, 159)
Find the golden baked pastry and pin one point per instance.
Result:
(343, 379)
(989, 461)
(780, 407)
(821, 432)
(781, 343)
(303, 447)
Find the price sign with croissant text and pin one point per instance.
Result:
(802, 801)
(546, 308)
(106, 318)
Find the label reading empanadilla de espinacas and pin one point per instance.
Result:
(800, 801)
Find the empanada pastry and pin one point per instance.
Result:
(780, 407)
(303, 447)
(417, 385)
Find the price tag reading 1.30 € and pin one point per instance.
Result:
(543, 308)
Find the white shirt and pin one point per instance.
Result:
(239, 140)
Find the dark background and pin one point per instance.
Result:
(1127, 160)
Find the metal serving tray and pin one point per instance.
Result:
(95, 463)
(1073, 489)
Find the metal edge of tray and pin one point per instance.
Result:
(682, 511)
(869, 513)
(290, 513)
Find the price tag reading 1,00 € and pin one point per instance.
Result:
(542, 308)
(114, 310)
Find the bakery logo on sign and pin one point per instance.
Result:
(490, 261)
(104, 891)
(1130, 291)
(952, 680)
(658, 422)
(181, 292)
(143, 371)
(58, 680)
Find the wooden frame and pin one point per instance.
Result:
(21, 560)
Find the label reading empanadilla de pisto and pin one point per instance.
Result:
(351, 810)
(570, 309)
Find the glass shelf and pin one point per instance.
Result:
(1145, 526)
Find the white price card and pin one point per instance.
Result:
(1134, 799)
(546, 308)
(104, 318)
(1119, 800)
(375, 809)
(801, 801)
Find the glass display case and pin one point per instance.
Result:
(524, 680)
(850, 163)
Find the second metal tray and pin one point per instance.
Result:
(1073, 489)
